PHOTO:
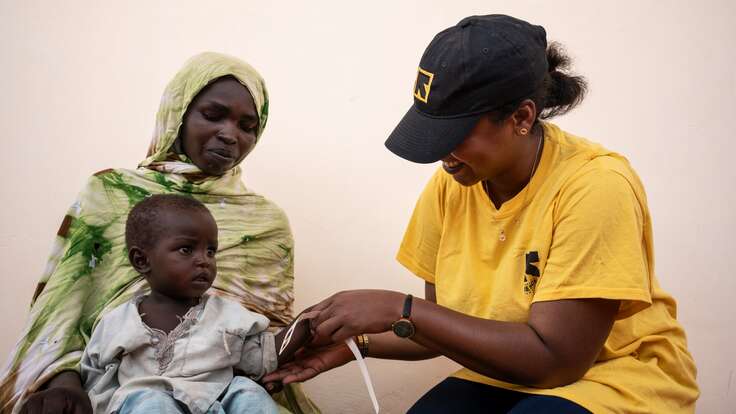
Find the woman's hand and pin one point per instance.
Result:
(310, 362)
(64, 395)
(59, 400)
(355, 312)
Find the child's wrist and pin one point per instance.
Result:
(288, 342)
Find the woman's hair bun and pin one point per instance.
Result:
(562, 90)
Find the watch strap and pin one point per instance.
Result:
(407, 307)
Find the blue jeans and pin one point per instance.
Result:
(243, 395)
(455, 395)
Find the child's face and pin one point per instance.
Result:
(182, 261)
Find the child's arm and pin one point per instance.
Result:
(264, 352)
(292, 338)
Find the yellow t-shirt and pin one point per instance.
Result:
(580, 229)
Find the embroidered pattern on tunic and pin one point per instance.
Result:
(164, 343)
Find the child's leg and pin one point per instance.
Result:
(244, 395)
(150, 401)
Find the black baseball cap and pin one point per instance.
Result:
(468, 70)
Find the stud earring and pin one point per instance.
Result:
(523, 131)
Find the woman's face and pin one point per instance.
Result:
(486, 153)
(220, 126)
(493, 150)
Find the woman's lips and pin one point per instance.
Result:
(221, 155)
(452, 167)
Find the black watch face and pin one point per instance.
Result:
(403, 328)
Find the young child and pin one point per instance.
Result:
(175, 349)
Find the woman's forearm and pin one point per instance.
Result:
(508, 351)
(555, 347)
(427, 343)
(389, 346)
(503, 350)
(557, 344)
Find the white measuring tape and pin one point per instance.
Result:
(287, 337)
(364, 370)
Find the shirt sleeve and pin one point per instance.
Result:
(418, 250)
(259, 355)
(90, 369)
(99, 377)
(598, 248)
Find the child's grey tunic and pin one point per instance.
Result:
(194, 362)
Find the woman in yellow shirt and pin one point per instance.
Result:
(535, 246)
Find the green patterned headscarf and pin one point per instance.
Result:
(88, 272)
(197, 73)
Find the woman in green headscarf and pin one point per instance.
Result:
(211, 116)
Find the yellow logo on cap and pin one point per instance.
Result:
(423, 84)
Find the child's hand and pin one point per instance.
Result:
(273, 387)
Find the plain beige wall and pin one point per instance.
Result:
(81, 82)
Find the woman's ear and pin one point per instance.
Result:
(524, 116)
(139, 260)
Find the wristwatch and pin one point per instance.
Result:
(404, 327)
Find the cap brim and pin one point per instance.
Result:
(422, 139)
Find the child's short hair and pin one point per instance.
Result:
(144, 227)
